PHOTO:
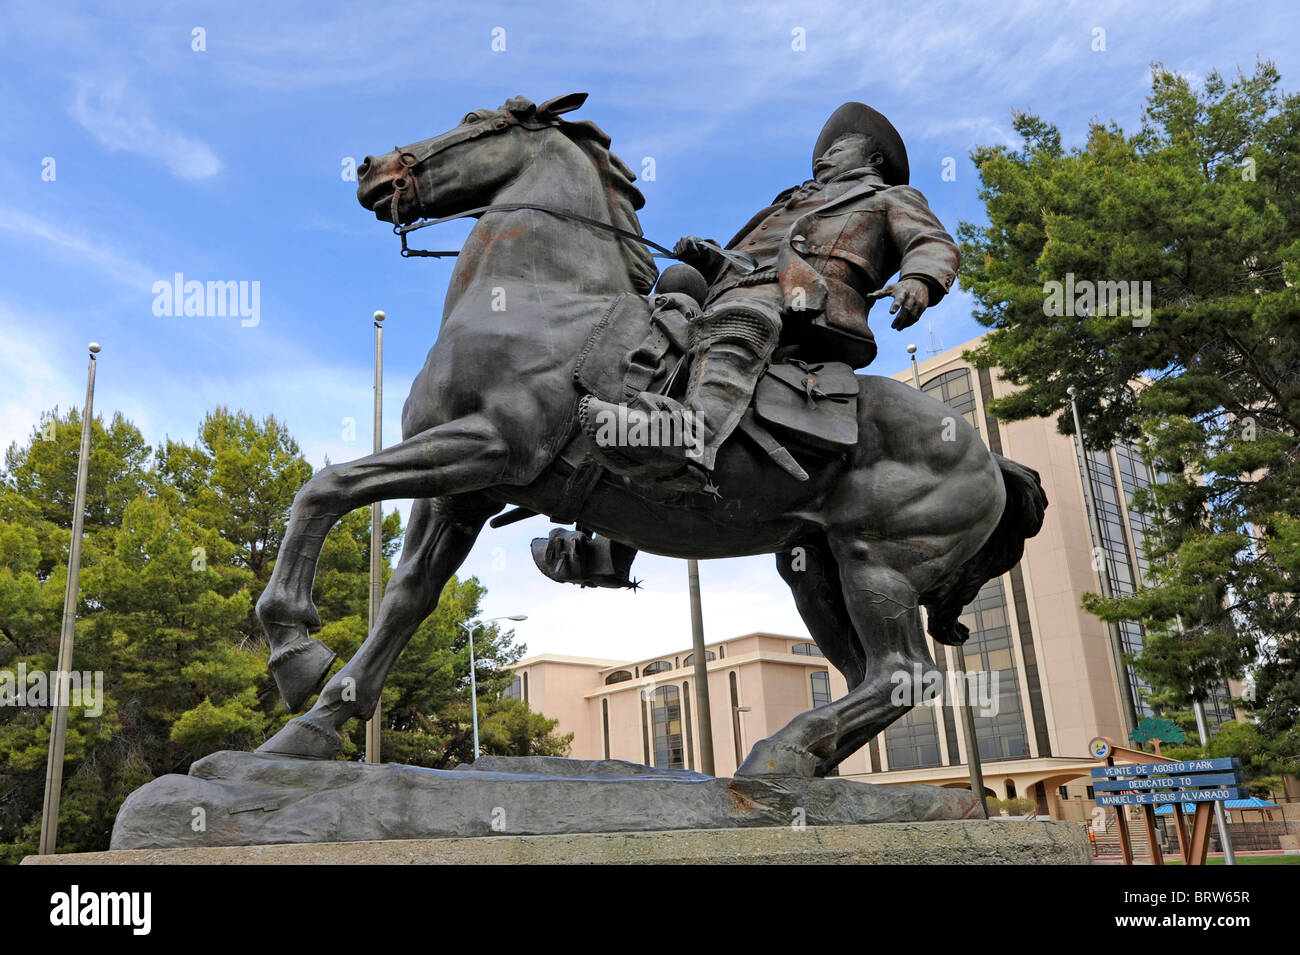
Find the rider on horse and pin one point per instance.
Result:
(824, 251)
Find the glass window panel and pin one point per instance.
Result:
(666, 718)
(1001, 660)
(821, 688)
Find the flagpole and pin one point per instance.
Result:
(59, 721)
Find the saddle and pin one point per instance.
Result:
(642, 345)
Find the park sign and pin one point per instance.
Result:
(1184, 782)
(1170, 769)
(1182, 796)
(1189, 781)
(1145, 780)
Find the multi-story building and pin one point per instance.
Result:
(1047, 670)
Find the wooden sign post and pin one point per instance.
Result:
(1197, 783)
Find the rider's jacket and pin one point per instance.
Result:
(830, 245)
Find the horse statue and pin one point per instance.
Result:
(916, 513)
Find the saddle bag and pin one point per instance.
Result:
(815, 405)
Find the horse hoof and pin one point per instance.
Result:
(300, 668)
(768, 758)
(304, 740)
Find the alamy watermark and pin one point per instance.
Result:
(918, 685)
(1086, 298)
(75, 907)
(659, 428)
(193, 299)
(78, 689)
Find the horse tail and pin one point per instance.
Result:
(1022, 518)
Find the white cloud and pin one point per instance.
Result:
(80, 248)
(34, 383)
(122, 122)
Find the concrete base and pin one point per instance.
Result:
(965, 842)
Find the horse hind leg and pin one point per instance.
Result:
(438, 539)
(813, 577)
(883, 607)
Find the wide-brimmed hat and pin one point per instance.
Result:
(862, 119)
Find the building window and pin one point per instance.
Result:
(618, 676)
(666, 717)
(807, 650)
(722, 653)
(1118, 565)
(821, 688)
(604, 715)
(515, 690)
(1134, 475)
(988, 653)
(659, 666)
(954, 389)
(709, 656)
(525, 686)
(735, 715)
(912, 742)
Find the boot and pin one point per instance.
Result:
(729, 350)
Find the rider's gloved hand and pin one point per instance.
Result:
(695, 251)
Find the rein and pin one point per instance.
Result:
(410, 158)
(744, 262)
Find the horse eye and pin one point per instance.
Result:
(470, 118)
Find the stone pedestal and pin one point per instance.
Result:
(247, 799)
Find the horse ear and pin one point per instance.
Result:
(563, 104)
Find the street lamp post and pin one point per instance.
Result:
(473, 681)
(703, 712)
(973, 763)
(59, 719)
(374, 724)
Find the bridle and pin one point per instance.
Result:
(412, 156)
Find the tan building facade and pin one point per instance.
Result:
(1043, 675)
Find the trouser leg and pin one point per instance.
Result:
(729, 350)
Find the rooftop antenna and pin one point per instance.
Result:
(936, 343)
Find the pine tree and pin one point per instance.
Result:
(1202, 202)
(178, 547)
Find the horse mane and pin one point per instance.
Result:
(624, 198)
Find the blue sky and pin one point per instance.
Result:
(224, 164)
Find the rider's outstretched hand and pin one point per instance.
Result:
(911, 298)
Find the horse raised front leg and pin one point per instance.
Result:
(883, 606)
(438, 539)
(458, 457)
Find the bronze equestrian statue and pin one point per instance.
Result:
(875, 498)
